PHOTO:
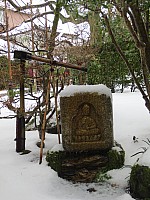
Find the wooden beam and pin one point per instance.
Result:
(28, 56)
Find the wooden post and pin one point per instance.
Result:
(20, 133)
(20, 120)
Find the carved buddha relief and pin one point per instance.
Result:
(85, 124)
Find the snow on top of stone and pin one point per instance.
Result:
(71, 90)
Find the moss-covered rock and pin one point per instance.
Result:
(116, 157)
(140, 182)
(55, 158)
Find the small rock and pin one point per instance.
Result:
(39, 144)
(91, 190)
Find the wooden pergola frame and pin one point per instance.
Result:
(20, 122)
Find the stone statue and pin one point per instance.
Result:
(86, 118)
(86, 125)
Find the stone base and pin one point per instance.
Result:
(84, 166)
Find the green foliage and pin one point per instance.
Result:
(102, 177)
(95, 29)
(11, 93)
(116, 159)
(108, 67)
(69, 164)
(140, 182)
(4, 75)
(55, 159)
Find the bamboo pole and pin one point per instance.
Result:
(10, 90)
(44, 119)
(32, 29)
(33, 48)
(55, 90)
(8, 42)
(46, 32)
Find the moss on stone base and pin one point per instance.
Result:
(140, 182)
(116, 159)
(85, 166)
(54, 159)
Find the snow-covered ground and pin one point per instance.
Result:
(21, 176)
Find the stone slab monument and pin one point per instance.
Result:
(88, 147)
(86, 118)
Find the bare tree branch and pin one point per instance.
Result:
(28, 6)
(39, 15)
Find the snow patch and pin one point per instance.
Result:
(71, 90)
(58, 147)
(144, 159)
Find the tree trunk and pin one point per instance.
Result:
(54, 29)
